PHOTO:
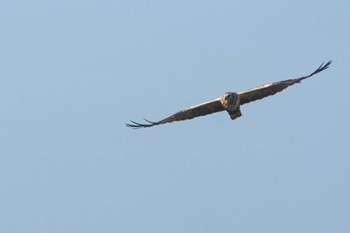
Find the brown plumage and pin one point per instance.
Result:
(230, 101)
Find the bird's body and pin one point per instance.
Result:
(230, 101)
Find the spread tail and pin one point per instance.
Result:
(235, 114)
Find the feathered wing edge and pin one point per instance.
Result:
(273, 88)
(321, 68)
(137, 125)
(186, 114)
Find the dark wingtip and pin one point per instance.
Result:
(322, 67)
(136, 125)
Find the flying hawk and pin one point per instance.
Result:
(230, 101)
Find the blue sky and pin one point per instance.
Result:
(74, 72)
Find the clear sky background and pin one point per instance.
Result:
(74, 72)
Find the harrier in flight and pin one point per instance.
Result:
(230, 101)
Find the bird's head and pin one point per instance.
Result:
(229, 96)
(230, 101)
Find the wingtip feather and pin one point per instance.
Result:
(321, 68)
(136, 125)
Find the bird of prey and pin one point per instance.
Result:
(230, 101)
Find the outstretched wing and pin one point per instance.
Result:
(186, 114)
(273, 88)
